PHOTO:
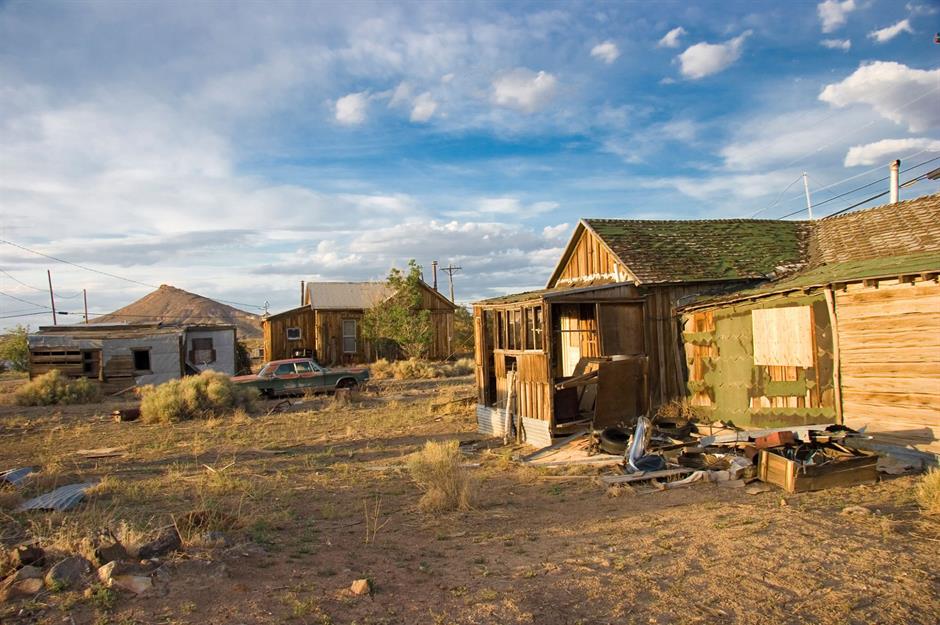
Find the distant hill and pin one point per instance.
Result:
(169, 304)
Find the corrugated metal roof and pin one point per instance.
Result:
(346, 295)
(62, 498)
(15, 476)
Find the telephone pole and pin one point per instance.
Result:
(85, 297)
(451, 270)
(51, 297)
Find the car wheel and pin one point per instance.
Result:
(347, 383)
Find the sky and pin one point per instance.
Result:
(234, 149)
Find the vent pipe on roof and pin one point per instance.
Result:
(302, 293)
(895, 168)
(434, 273)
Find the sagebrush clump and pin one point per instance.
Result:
(438, 472)
(414, 369)
(928, 492)
(55, 387)
(204, 396)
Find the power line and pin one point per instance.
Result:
(33, 314)
(19, 299)
(108, 274)
(20, 282)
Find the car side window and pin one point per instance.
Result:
(304, 367)
(285, 369)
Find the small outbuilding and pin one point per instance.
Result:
(328, 326)
(126, 355)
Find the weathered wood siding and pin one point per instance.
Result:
(442, 334)
(533, 383)
(276, 345)
(329, 338)
(889, 339)
(590, 263)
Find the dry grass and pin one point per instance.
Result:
(205, 396)
(928, 492)
(56, 388)
(414, 369)
(437, 471)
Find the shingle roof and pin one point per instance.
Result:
(704, 250)
(346, 295)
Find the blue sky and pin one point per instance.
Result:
(235, 149)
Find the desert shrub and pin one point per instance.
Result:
(414, 369)
(204, 396)
(55, 387)
(928, 492)
(437, 471)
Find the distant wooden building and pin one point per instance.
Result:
(122, 356)
(328, 326)
(852, 337)
(614, 292)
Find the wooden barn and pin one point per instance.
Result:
(328, 326)
(126, 355)
(852, 337)
(614, 293)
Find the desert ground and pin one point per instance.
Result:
(295, 506)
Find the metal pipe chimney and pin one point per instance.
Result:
(895, 168)
(434, 272)
(302, 292)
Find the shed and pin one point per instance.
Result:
(614, 292)
(852, 337)
(125, 355)
(328, 326)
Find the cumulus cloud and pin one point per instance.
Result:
(505, 206)
(888, 150)
(671, 39)
(606, 52)
(351, 108)
(523, 89)
(837, 44)
(704, 59)
(896, 92)
(423, 108)
(888, 33)
(833, 13)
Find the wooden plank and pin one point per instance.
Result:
(888, 413)
(783, 336)
(899, 387)
(611, 480)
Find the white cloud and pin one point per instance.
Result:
(606, 52)
(523, 89)
(401, 94)
(887, 150)
(888, 33)
(351, 108)
(837, 44)
(423, 108)
(704, 59)
(896, 91)
(671, 39)
(556, 232)
(833, 14)
(920, 9)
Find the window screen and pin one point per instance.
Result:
(349, 336)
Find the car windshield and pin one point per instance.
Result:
(266, 371)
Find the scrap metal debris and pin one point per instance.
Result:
(15, 476)
(61, 499)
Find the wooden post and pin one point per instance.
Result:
(85, 298)
(836, 359)
(507, 415)
(51, 297)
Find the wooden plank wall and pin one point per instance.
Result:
(889, 340)
(442, 332)
(590, 262)
(276, 345)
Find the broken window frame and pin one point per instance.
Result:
(136, 353)
(294, 334)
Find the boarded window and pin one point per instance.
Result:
(621, 329)
(294, 334)
(349, 336)
(202, 352)
(783, 337)
(142, 360)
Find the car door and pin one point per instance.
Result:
(286, 375)
(308, 376)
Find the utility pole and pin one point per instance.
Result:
(85, 297)
(51, 297)
(451, 270)
(809, 202)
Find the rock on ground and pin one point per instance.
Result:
(68, 573)
(168, 540)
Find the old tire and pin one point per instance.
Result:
(614, 441)
(347, 383)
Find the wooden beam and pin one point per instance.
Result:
(836, 356)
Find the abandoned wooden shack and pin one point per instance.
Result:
(851, 337)
(328, 326)
(614, 293)
(122, 356)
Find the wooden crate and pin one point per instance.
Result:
(796, 477)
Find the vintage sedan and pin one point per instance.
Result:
(296, 376)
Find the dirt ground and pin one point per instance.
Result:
(312, 499)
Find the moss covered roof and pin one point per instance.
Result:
(704, 250)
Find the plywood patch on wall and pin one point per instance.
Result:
(783, 337)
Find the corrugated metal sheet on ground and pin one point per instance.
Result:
(15, 476)
(62, 498)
